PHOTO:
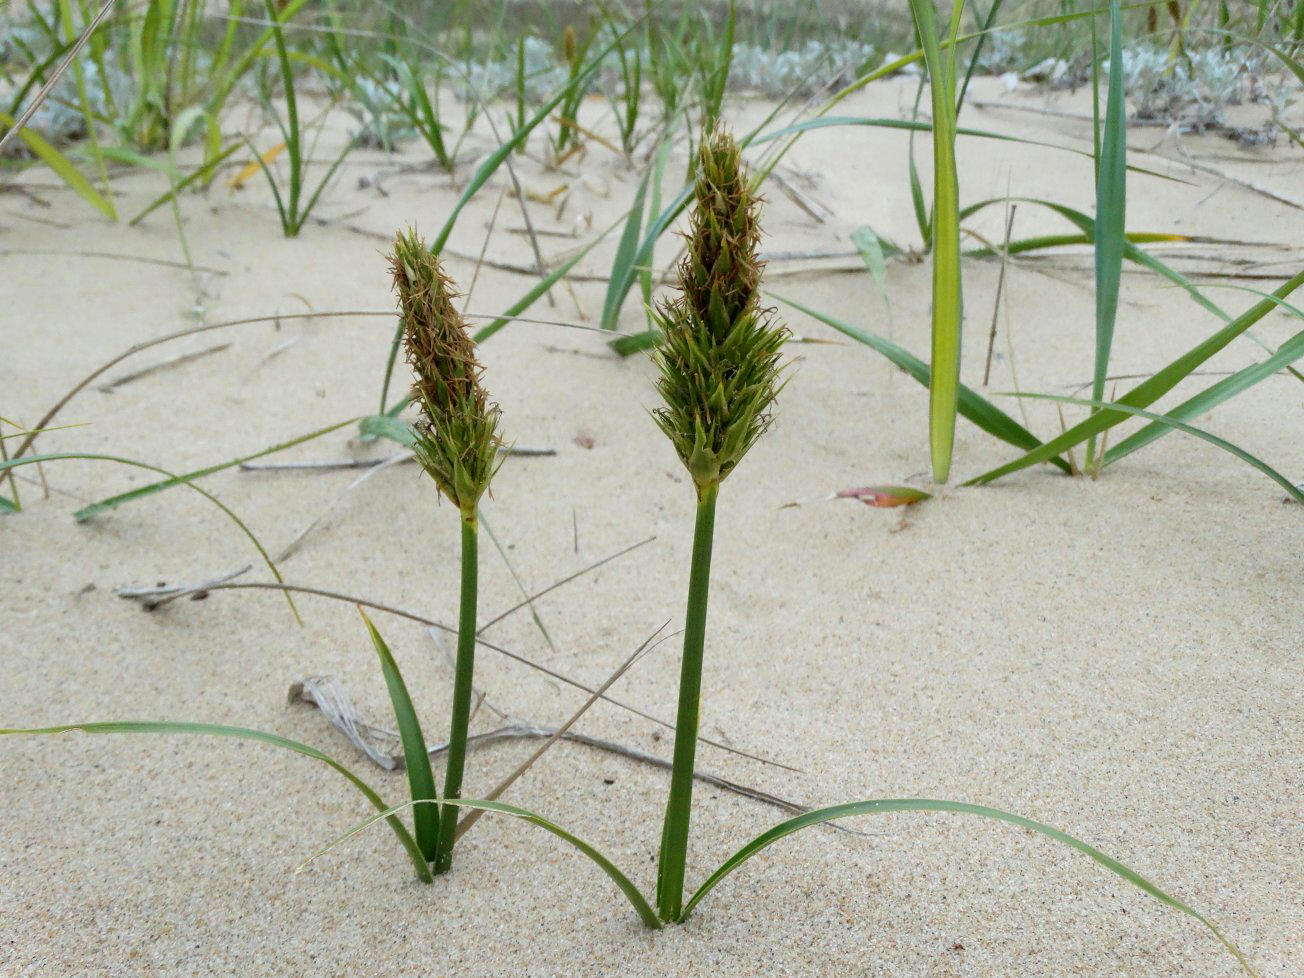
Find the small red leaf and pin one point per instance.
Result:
(884, 497)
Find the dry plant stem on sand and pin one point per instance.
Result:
(457, 443)
(719, 373)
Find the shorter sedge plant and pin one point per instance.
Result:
(457, 443)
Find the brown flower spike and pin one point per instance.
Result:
(456, 440)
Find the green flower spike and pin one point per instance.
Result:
(719, 352)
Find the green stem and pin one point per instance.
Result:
(462, 692)
(674, 834)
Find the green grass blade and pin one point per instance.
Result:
(971, 405)
(1130, 251)
(244, 733)
(172, 480)
(416, 759)
(625, 252)
(86, 512)
(1111, 217)
(1043, 242)
(1148, 391)
(533, 293)
(1171, 422)
(879, 806)
(330, 172)
(63, 169)
(1211, 397)
(481, 176)
(199, 174)
(622, 278)
(944, 378)
(636, 899)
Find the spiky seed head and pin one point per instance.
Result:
(456, 438)
(719, 351)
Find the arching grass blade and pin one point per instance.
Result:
(245, 733)
(171, 480)
(1148, 391)
(880, 806)
(1162, 419)
(86, 512)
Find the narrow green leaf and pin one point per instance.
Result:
(421, 780)
(1211, 397)
(1148, 391)
(172, 480)
(971, 405)
(244, 733)
(879, 806)
(200, 173)
(538, 289)
(625, 252)
(86, 512)
(1171, 422)
(1111, 219)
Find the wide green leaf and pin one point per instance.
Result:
(880, 806)
(416, 759)
(944, 376)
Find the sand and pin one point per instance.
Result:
(1119, 658)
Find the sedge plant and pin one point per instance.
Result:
(457, 442)
(719, 373)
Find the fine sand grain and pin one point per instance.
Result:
(1119, 658)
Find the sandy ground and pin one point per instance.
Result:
(1119, 658)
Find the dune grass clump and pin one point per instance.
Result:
(719, 373)
(456, 442)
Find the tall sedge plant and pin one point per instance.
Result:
(719, 373)
(456, 442)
